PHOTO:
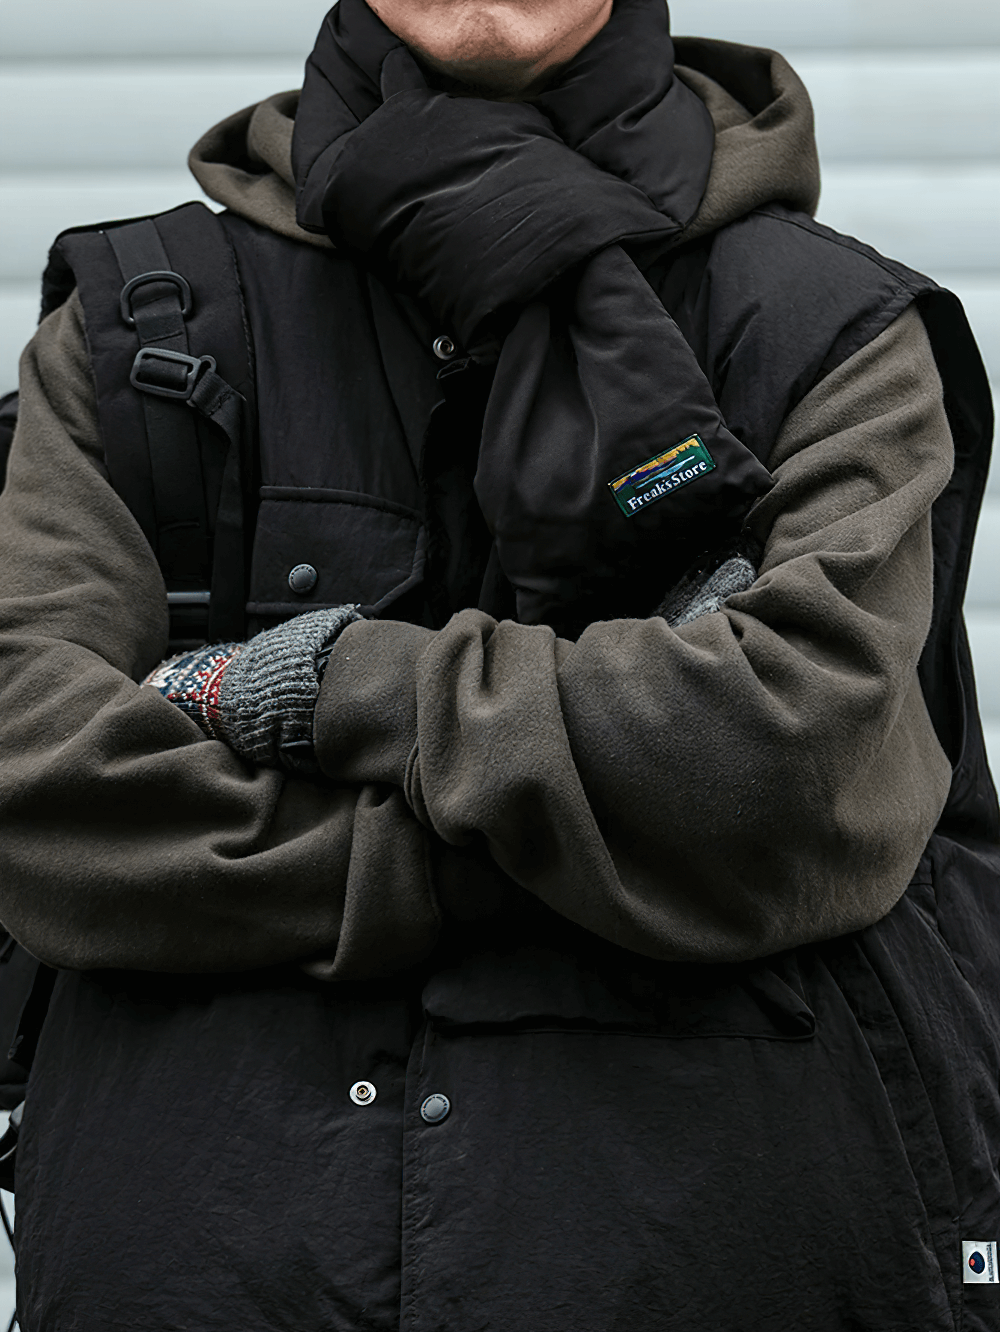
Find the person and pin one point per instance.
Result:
(565, 895)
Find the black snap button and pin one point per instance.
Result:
(444, 348)
(303, 579)
(435, 1108)
(363, 1093)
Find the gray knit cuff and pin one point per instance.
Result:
(269, 690)
(693, 598)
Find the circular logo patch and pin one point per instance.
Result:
(977, 1262)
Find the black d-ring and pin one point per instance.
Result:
(187, 304)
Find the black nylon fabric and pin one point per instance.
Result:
(509, 220)
(803, 1142)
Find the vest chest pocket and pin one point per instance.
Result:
(345, 549)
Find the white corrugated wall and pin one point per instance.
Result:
(101, 99)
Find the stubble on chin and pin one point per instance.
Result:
(468, 54)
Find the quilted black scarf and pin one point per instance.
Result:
(523, 228)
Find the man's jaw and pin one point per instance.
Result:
(497, 48)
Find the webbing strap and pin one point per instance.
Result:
(157, 300)
(225, 408)
(174, 457)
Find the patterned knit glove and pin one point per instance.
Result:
(258, 697)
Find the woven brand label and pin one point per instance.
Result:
(660, 476)
(979, 1263)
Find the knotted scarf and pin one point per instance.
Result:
(523, 227)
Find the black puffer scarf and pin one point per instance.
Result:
(523, 228)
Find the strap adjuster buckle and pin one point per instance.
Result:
(168, 374)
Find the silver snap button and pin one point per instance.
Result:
(435, 1108)
(444, 348)
(363, 1093)
(303, 579)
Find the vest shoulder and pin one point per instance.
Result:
(78, 248)
(824, 296)
(791, 245)
(834, 291)
(80, 251)
(772, 303)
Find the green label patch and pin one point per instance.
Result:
(659, 476)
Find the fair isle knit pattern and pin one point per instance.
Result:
(192, 681)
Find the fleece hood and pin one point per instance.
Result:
(765, 148)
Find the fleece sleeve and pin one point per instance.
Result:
(764, 776)
(126, 838)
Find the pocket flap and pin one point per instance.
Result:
(534, 987)
(363, 551)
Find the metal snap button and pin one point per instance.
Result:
(363, 1093)
(444, 348)
(435, 1108)
(303, 579)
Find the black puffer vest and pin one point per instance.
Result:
(354, 462)
(803, 1142)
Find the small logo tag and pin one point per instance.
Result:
(661, 475)
(979, 1262)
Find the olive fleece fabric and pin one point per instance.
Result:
(765, 145)
(761, 776)
(245, 162)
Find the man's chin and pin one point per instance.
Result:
(498, 76)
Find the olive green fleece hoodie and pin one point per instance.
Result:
(764, 776)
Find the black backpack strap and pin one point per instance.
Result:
(25, 991)
(156, 302)
(8, 419)
(172, 363)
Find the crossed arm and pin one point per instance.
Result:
(763, 776)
